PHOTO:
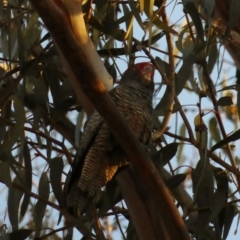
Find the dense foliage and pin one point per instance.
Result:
(42, 118)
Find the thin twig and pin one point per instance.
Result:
(170, 84)
(53, 140)
(164, 52)
(175, 136)
(185, 120)
(41, 134)
(214, 157)
(217, 114)
(53, 232)
(34, 195)
(119, 225)
(189, 27)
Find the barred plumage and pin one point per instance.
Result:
(100, 156)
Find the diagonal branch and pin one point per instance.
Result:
(217, 114)
(91, 83)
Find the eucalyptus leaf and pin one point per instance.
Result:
(176, 180)
(40, 207)
(192, 10)
(182, 76)
(230, 214)
(213, 127)
(136, 12)
(19, 115)
(238, 99)
(202, 179)
(5, 176)
(20, 234)
(163, 156)
(114, 52)
(28, 178)
(14, 197)
(233, 17)
(225, 101)
(56, 169)
(233, 137)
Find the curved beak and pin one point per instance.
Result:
(148, 72)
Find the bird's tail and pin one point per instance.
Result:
(77, 201)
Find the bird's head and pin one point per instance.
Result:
(141, 73)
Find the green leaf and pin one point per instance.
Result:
(186, 69)
(56, 169)
(231, 87)
(114, 52)
(161, 25)
(40, 207)
(5, 173)
(110, 197)
(233, 137)
(225, 101)
(27, 178)
(192, 10)
(238, 99)
(19, 115)
(164, 155)
(109, 20)
(233, 17)
(136, 12)
(129, 29)
(131, 231)
(180, 155)
(230, 214)
(113, 32)
(141, 2)
(30, 36)
(101, 9)
(179, 42)
(111, 70)
(20, 234)
(52, 78)
(209, 6)
(148, 8)
(202, 179)
(48, 143)
(183, 74)
(36, 121)
(234, 13)
(127, 16)
(14, 197)
(221, 194)
(212, 57)
(213, 127)
(162, 111)
(176, 180)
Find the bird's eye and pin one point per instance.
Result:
(148, 68)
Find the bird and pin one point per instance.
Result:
(99, 155)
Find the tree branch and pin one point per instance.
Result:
(170, 84)
(91, 83)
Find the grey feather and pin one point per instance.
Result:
(99, 155)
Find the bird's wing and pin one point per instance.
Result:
(92, 127)
(91, 131)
